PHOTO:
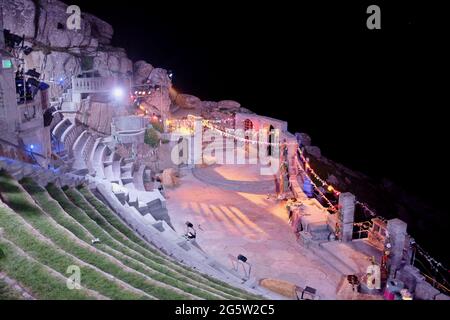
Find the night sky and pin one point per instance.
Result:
(372, 100)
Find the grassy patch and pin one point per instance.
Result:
(43, 252)
(7, 293)
(121, 243)
(36, 278)
(30, 273)
(87, 217)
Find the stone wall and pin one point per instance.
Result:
(260, 122)
(60, 53)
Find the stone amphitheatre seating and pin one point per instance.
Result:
(117, 271)
(42, 176)
(138, 178)
(82, 149)
(110, 159)
(91, 155)
(97, 159)
(116, 171)
(60, 128)
(133, 179)
(69, 137)
(119, 183)
(164, 237)
(127, 174)
(123, 265)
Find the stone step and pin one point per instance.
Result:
(138, 178)
(127, 167)
(108, 173)
(130, 186)
(126, 179)
(149, 219)
(142, 208)
(332, 260)
(160, 214)
(319, 231)
(155, 205)
(116, 171)
(127, 161)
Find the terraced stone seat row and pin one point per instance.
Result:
(88, 149)
(70, 136)
(43, 176)
(97, 160)
(60, 128)
(81, 145)
(163, 236)
(94, 156)
(120, 175)
(138, 178)
(78, 149)
(44, 231)
(125, 182)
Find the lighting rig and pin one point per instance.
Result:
(16, 43)
(142, 92)
(28, 85)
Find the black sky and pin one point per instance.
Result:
(373, 100)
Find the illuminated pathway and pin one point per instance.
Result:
(233, 222)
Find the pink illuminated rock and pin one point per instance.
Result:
(228, 104)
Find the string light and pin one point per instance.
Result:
(331, 207)
(308, 172)
(432, 262)
(324, 184)
(207, 124)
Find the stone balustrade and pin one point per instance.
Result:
(91, 85)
